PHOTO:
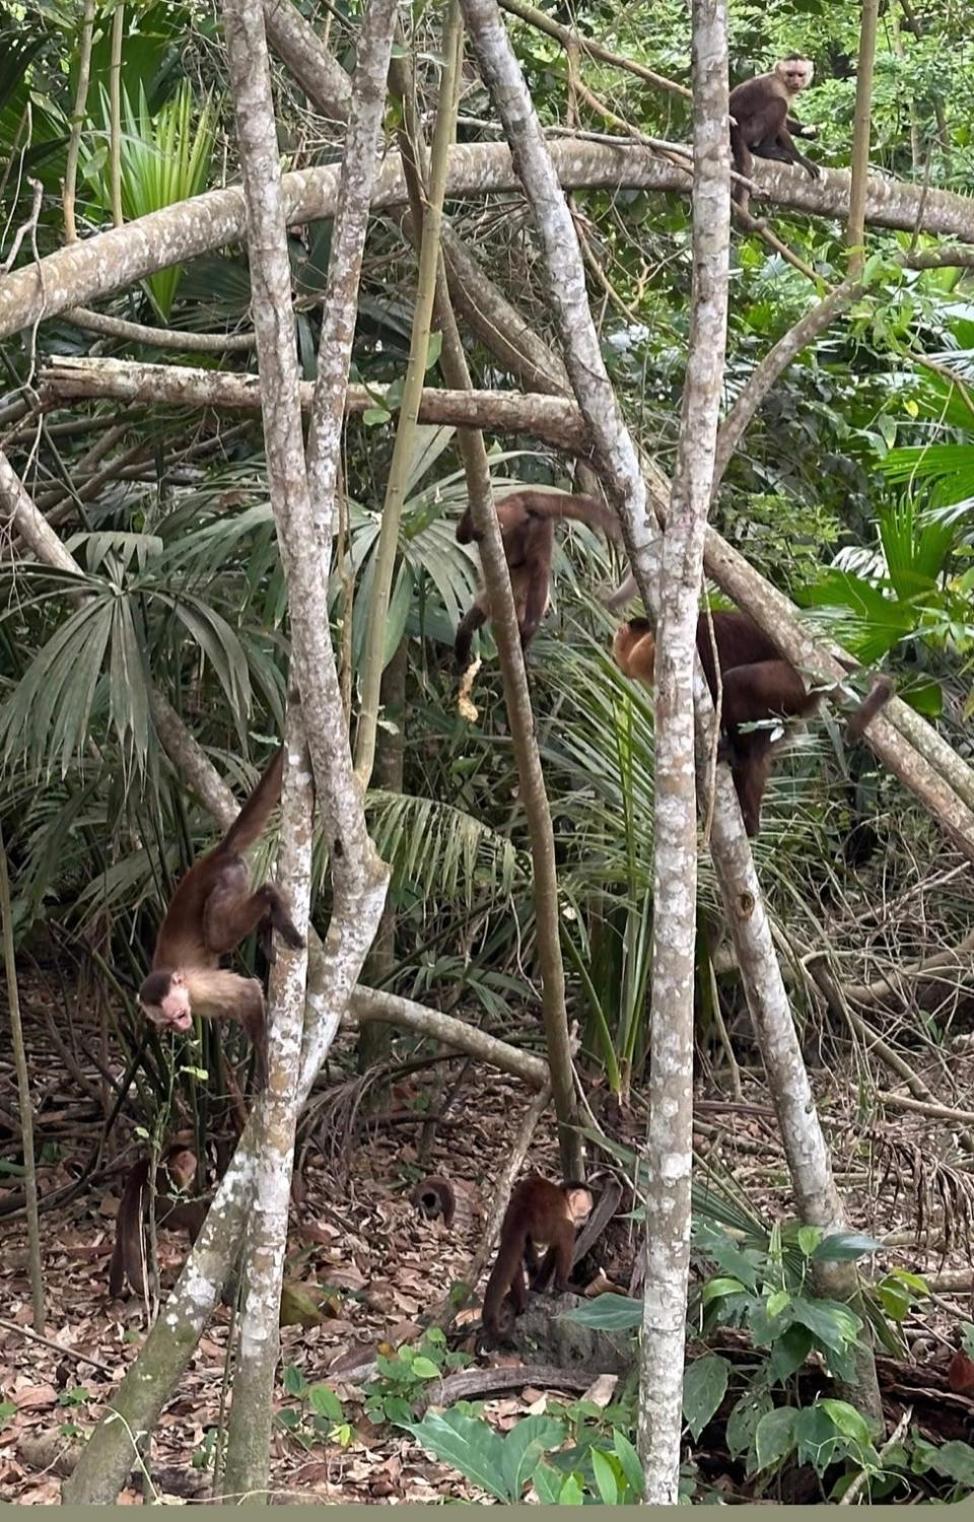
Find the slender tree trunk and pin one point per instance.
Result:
(856, 228)
(247, 1464)
(24, 1102)
(375, 1040)
(670, 1146)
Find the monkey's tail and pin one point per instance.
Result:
(251, 822)
(551, 504)
(506, 1265)
(623, 593)
(877, 698)
(127, 1258)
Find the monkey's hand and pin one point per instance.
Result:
(813, 170)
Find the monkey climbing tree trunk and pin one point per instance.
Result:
(517, 696)
(614, 454)
(670, 1144)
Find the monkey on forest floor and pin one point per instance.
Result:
(756, 687)
(537, 1233)
(175, 1208)
(212, 910)
(761, 123)
(527, 525)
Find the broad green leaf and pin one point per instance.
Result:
(845, 1246)
(608, 1313)
(743, 1421)
(425, 1368)
(704, 1387)
(788, 1353)
(324, 1402)
(629, 1459)
(523, 1448)
(774, 1437)
(469, 1444)
(605, 1478)
(832, 1323)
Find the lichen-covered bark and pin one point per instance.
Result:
(262, 1262)
(85, 271)
(670, 1145)
(304, 539)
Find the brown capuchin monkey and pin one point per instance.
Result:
(212, 910)
(538, 1232)
(527, 525)
(761, 123)
(175, 1208)
(757, 687)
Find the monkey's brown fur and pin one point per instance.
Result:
(212, 910)
(757, 685)
(538, 1229)
(173, 1209)
(759, 108)
(527, 525)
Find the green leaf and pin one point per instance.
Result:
(717, 1289)
(809, 1238)
(547, 1483)
(571, 1493)
(847, 1420)
(629, 1459)
(608, 1313)
(523, 1448)
(832, 1323)
(425, 1368)
(294, 1380)
(954, 1460)
(845, 1246)
(788, 1352)
(704, 1387)
(324, 1402)
(605, 1478)
(742, 1424)
(774, 1437)
(469, 1444)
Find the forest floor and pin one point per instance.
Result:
(375, 1268)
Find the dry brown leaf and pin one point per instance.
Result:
(601, 1390)
(32, 1397)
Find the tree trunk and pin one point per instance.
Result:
(670, 1145)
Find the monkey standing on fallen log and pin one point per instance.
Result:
(537, 1234)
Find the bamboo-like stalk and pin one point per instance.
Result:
(115, 114)
(77, 120)
(856, 226)
(385, 554)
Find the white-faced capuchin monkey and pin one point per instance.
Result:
(761, 123)
(538, 1232)
(757, 686)
(527, 524)
(212, 910)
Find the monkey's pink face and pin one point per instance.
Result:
(174, 1010)
(797, 76)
